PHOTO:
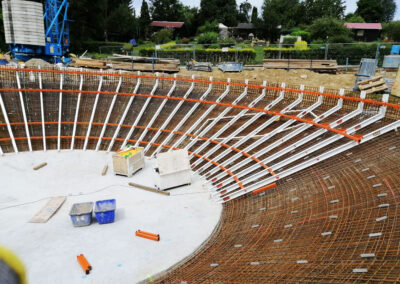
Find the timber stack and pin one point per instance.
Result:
(321, 66)
(130, 63)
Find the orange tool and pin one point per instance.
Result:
(84, 263)
(147, 235)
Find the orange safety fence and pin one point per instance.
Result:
(367, 101)
(342, 132)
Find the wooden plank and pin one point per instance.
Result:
(396, 86)
(149, 189)
(105, 169)
(48, 210)
(327, 65)
(376, 89)
(38, 167)
(371, 80)
(372, 85)
(141, 59)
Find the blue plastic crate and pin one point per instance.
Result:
(81, 214)
(105, 211)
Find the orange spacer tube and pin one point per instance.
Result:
(147, 233)
(84, 264)
(149, 236)
(264, 188)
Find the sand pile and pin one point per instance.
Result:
(291, 77)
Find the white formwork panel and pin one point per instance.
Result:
(23, 22)
(173, 168)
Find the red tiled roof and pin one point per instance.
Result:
(364, 26)
(165, 24)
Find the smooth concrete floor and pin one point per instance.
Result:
(184, 220)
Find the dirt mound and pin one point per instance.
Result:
(291, 77)
(35, 62)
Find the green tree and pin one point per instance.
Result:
(314, 9)
(254, 16)
(107, 20)
(224, 11)
(144, 20)
(189, 15)
(329, 29)
(392, 31)
(278, 14)
(244, 12)
(166, 10)
(376, 11)
(389, 10)
(354, 18)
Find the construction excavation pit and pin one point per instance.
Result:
(287, 184)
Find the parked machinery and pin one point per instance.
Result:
(32, 33)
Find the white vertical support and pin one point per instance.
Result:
(141, 112)
(24, 113)
(3, 109)
(42, 111)
(1, 151)
(171, 116)
(215, 121)
(203, 116)
(187, 115)
(60, 112)
(150, 124)
(96, 100)
(125, 113)
(78, 103)
(109, 113)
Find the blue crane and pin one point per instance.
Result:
(56, 35)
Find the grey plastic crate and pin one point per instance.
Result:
(81, 214)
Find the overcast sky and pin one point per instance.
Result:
(350, 5)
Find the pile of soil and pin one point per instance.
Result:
(35, 62)
(291, 77)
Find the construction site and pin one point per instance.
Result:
(266, 175)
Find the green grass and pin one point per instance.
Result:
(259, 54)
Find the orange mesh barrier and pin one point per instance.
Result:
(368, 101)
(342, 132)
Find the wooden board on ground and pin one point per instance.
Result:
(314, 65)
(141, 59)
(90, 63)
(48, 210)
(396, 86)
(38, 167)
(149, 188)
(171, 66)
(373, 85)
(105, 169)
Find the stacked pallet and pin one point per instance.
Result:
(373, 85)
(130, 63)
(326, 66)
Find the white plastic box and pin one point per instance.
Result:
(173, 169)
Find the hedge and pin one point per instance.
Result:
(95, 46)
(245, 55)
(337, 52)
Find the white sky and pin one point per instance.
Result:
(351, 5)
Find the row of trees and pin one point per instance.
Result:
(116, 20)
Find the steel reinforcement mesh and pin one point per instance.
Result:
(333, 222)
